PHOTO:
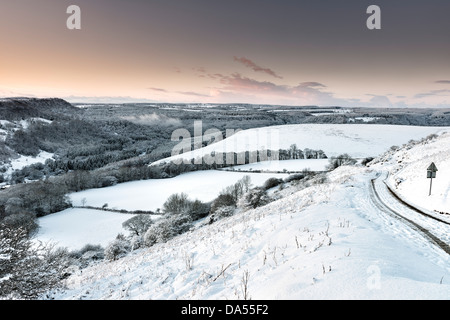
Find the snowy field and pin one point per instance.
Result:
(358, 140)
(325, 242)
(151, 194)
(74, 228)
(284, 165)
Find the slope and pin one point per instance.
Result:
(327, 241)
(408, 166)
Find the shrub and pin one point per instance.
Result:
(342, 160)
(87, 254)
(294, 177)
(89, 247)
(221, 212)
(107, 181)
(199, 209)
(138, 224)
(166, 228)
(136, 242)
(319, 179)
(26, 221)
(366, 161)
(179, 204)
(254, 198)
(117, 248)
(151, 236)
(222, 200)
(394, 148)
(272, 182)
(180, 223)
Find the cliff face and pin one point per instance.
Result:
(14, 109)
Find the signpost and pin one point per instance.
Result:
(431, 173)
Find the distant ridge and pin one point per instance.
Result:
(20, 108)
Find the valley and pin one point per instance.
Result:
(306, 224)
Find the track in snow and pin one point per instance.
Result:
(435, 230)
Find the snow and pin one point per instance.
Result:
(320, 241)
(24, 161)
(327, 241)
(288, 165)
(409, 167)
(26, 123)
(364, 119)
(76, 227)
(358, 140)
(151, 194)
(5, 122)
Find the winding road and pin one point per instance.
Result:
(433, 228)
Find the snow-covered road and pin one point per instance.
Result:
(433, 229)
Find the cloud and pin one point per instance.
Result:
(8, 93)
(311, 84)
(250, 64)
(432, 93)
(380, 101)
(95, 99)
(306, 93)
(199, 69)
(195, 94)
(158, 89)
(443, 81)
(423, 95)
(236, 82)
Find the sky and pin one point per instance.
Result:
(314, 52)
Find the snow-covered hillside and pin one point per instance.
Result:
(408, 167)
(321, 240)
(18, 161)
(327, 241)
(23, 161)
(357, 140)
